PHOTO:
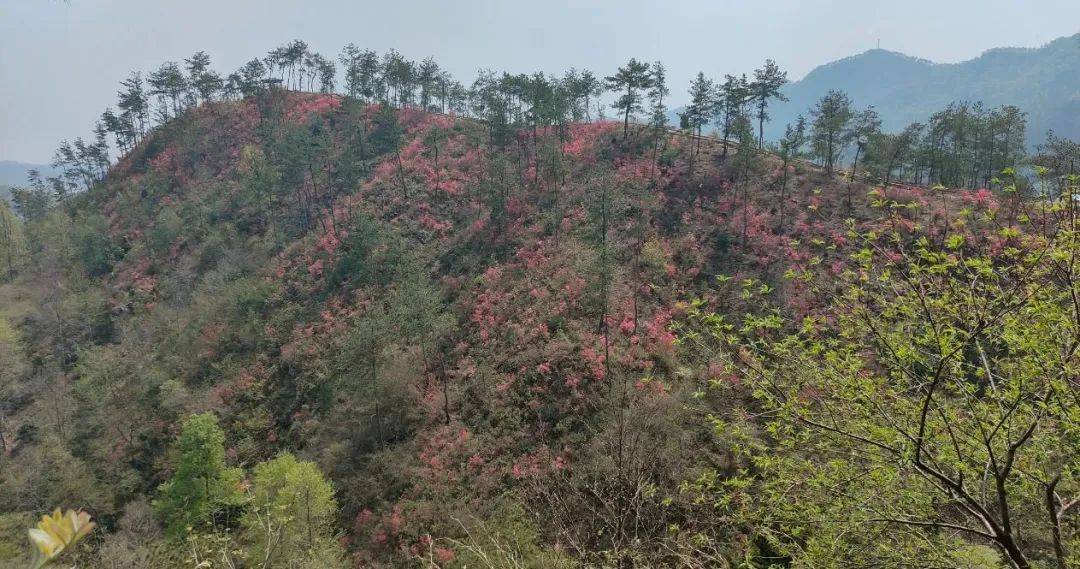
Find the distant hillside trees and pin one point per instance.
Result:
(963, 145)
(168, 84)
(1059, 158)
(889, 152)
(505, 102)
(583, 88)
(246, 81)
(297, 67)
(82, 163)
(33, 201)
(361, 70)
(130, 124)
(734, 99)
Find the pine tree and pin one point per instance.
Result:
(325, 71)
(591, 89)
(766, 85)
(864, 125)
(250, 78)
(134, 105)
(427, 76)
(732, 97)
(630, 81)
(887, 152)
(699, 112)
(203, 83)
(745, 165)
(168, 84)
(831, 117)
(657, 108)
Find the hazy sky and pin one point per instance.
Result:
(60, 62)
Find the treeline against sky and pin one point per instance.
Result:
(964, 145)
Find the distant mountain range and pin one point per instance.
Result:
(1044, 82)
(14, 173)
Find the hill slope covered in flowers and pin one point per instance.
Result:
(486, 346)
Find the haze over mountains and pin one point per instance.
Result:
(1044, 82)
(14, 173)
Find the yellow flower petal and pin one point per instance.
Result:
(59, 531)
(45, 543)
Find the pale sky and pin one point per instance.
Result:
(61, 61)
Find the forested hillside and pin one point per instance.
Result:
(414, 324)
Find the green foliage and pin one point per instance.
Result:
(386, 132)
(367, 258)
(932, 407)
(31, 203)
(418, 309)
(507, 539)
(259, 181)
(13, 537)
(830, 134)
(351, 164)
(630, 82)
(51, 477)
(202, 489)
(12, 242)
(167, 228)
(290, 517)
(96, 251)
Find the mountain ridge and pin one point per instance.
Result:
(1042, 81)
(13, 172)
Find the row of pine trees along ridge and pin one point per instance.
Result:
(964, 145)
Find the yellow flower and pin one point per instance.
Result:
(58, 532)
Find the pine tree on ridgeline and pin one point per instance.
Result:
(630, 81)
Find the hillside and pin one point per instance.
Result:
(500, 353)
(1041, 81)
